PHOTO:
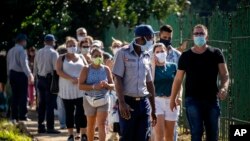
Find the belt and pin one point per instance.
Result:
(135, 98)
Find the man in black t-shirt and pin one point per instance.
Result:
(201, 65)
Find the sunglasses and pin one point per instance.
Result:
(198, 33)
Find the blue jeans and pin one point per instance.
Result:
(19, 87)
(47, 103)
(137, 128)
(200, 114)
(61, 112)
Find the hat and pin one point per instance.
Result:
(97, 43)
(144, 30)
(21, 37)
(49, 37)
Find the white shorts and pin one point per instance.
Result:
(162, 105)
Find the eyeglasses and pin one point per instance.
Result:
(198, 33)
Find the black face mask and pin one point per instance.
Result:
(166, 42)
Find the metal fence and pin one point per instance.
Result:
(231, 33)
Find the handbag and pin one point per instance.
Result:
(97, 101)
(54, 87)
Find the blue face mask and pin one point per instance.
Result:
(200, 41)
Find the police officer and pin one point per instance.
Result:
(19, 75)
(44, 67)
(134, 86)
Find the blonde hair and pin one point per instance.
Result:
(201, 26)
(70, 39)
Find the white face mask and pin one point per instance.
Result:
(161, 57)
(85, 50)
(80, 38)
(115, 50)
(72, 49)
(147, 46)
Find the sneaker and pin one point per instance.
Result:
(84, 137)
(53, 131)
(70, 138)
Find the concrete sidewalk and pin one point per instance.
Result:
(32, 129)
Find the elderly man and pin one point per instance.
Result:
(134, 86)
(44, 67)
(19, 75)
(81, 33)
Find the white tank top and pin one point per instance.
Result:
(68, 90)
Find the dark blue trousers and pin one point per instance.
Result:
(137, 128)
(200, 114)
(46, 103)
(19, 87)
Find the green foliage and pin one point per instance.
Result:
(8, 132)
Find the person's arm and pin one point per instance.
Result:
(60, 72)
(224, 81)
(25, 66)
(151, 90)
(176, 88)
(110, 85)
(119, 88)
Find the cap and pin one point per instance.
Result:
(21, 37)
(144, 30)
(49, 37)
(97, 43)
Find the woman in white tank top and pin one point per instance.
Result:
(69, 67)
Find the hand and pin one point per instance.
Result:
(98, 86)
(184, 45)
(178, 101)
(154, 118)
(222, 94)
(125, 110)
(31, 79)
(104, 84)
(173, 105)
(74, 80)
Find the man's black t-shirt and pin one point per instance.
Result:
(201, 72)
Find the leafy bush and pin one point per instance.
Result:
(9, 132)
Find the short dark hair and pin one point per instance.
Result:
(166, 28)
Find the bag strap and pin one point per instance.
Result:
(63, 58)
(83, 59)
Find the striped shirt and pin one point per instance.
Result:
(17, 60)
(45, 61)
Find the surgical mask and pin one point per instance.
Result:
(80, 38)
(72, 49)
(147, 46)
(200, 41)
(97, 60)
(161, 57)
(166, 42)
(85, 50)
(115, 50)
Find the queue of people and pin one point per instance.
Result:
(138, 91)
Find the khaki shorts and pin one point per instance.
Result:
(91, 111)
